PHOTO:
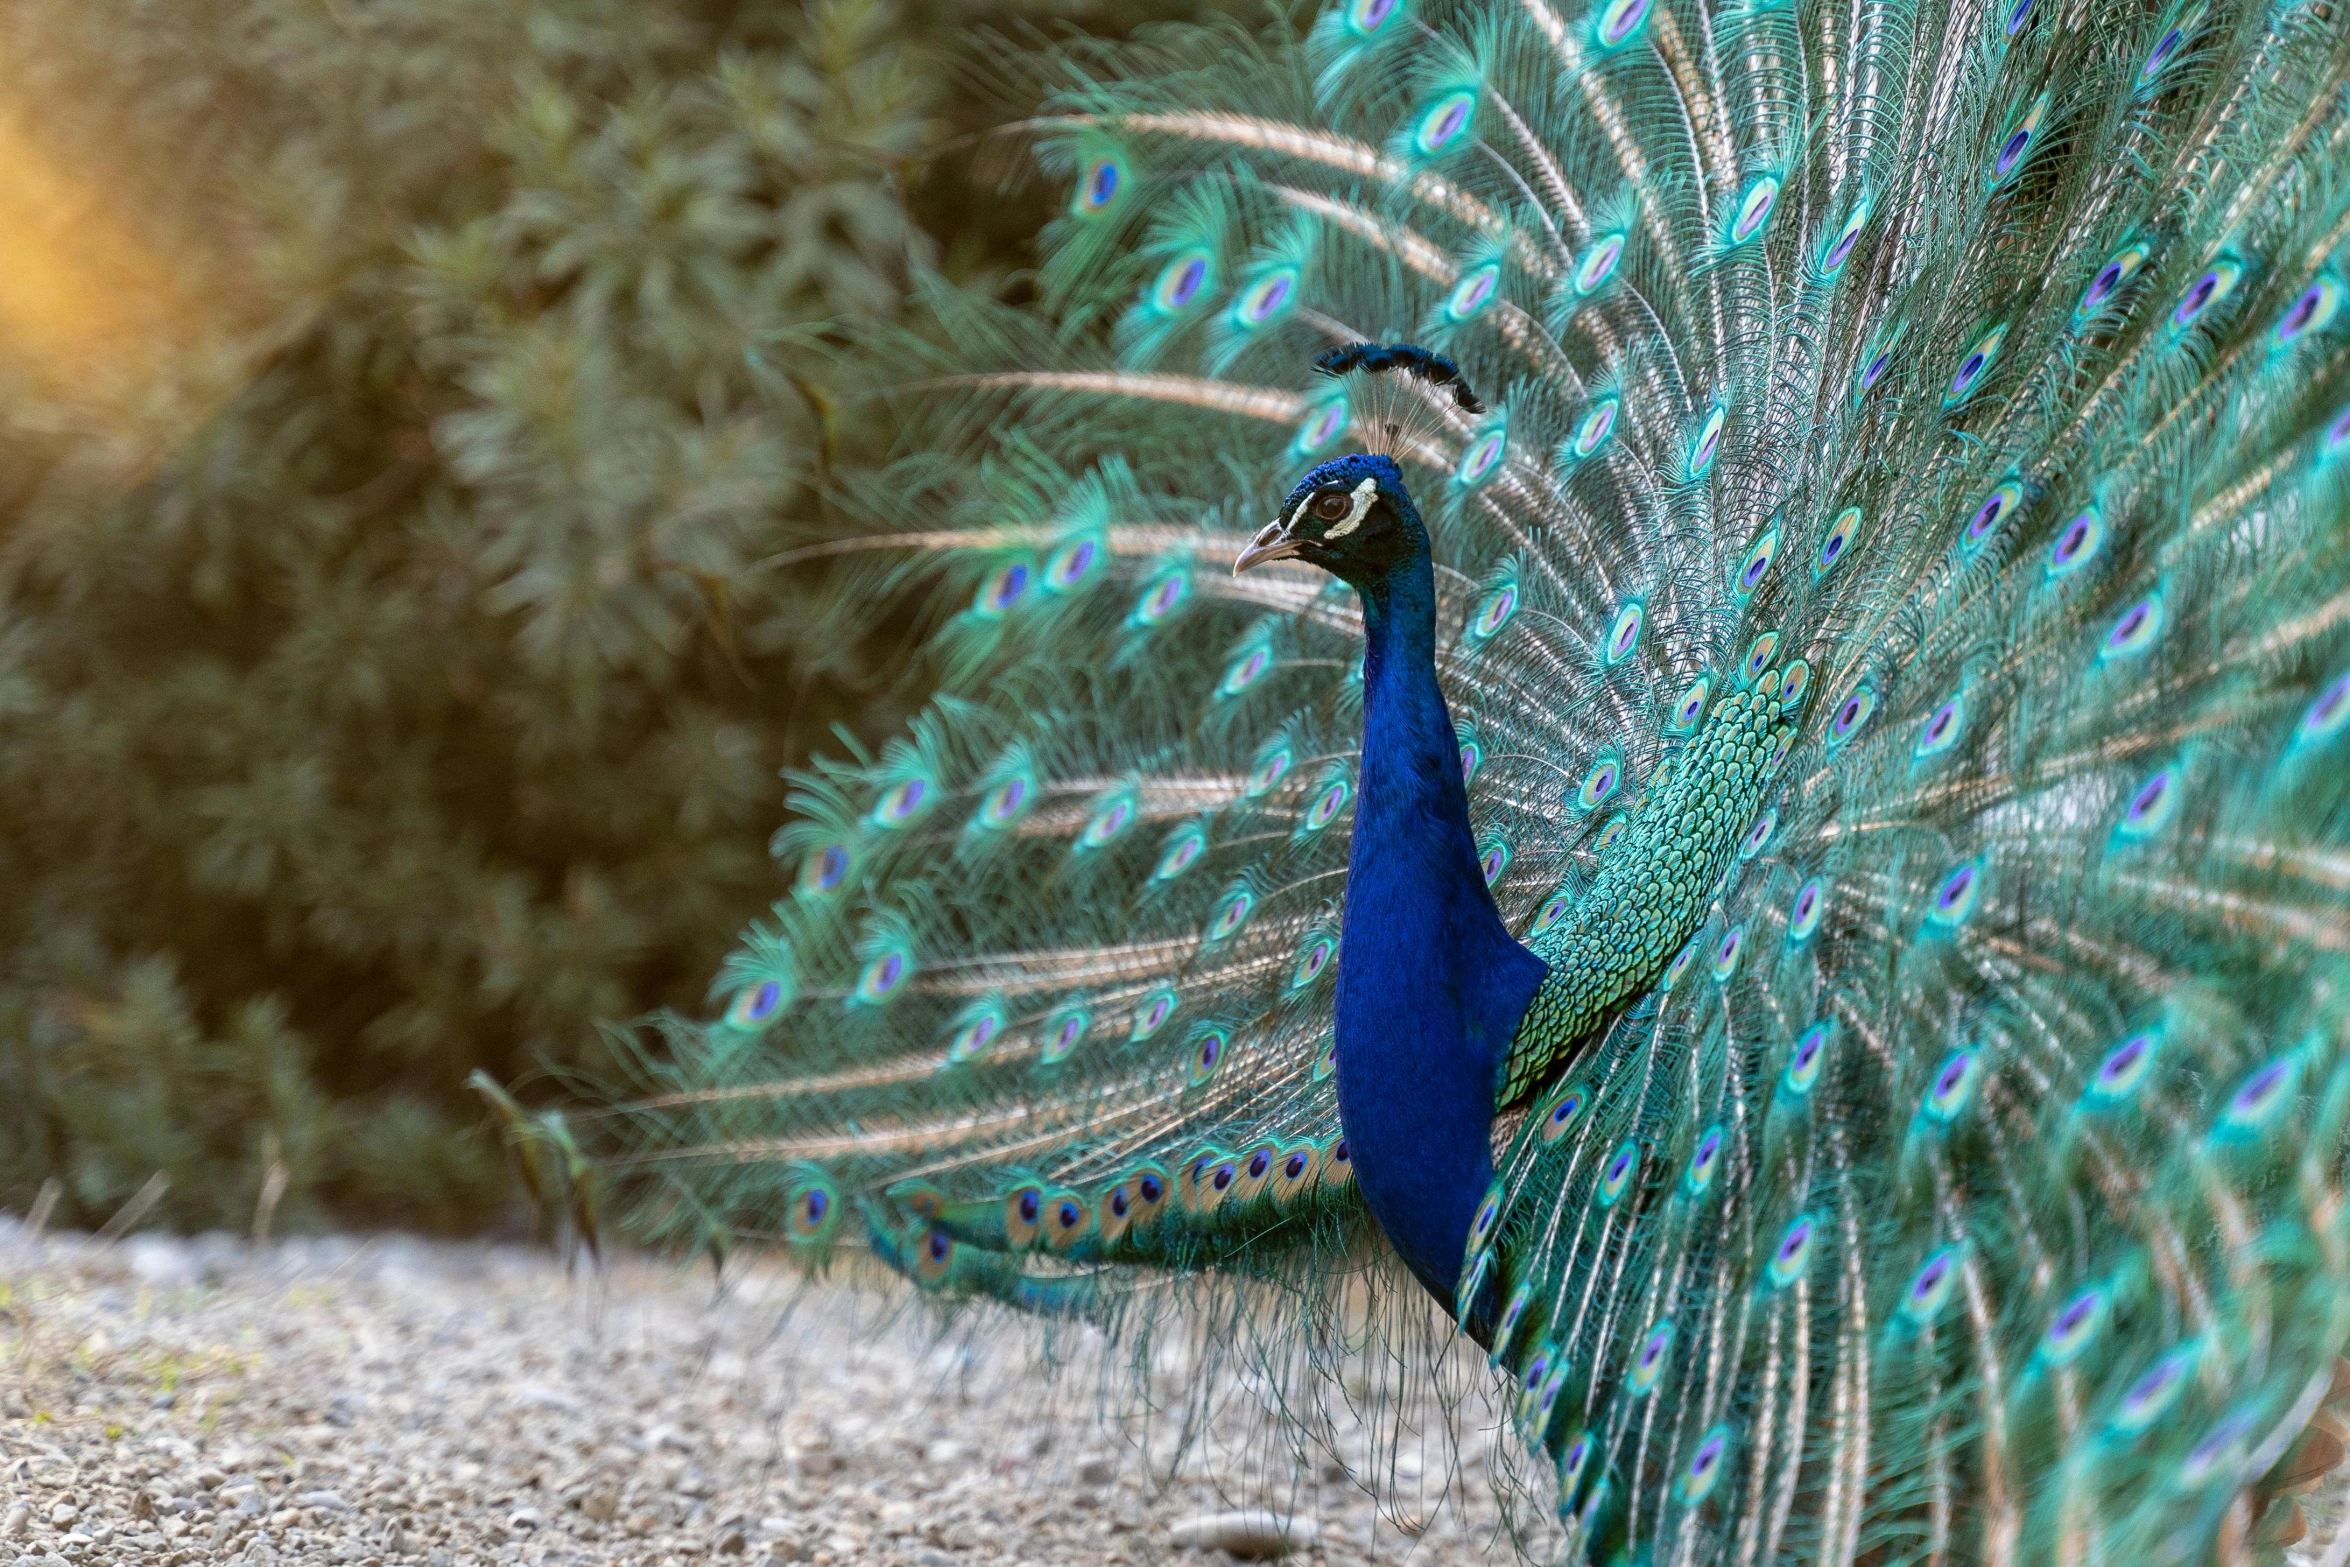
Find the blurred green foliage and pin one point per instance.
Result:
(390, 683)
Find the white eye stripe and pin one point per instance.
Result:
(1361, 498)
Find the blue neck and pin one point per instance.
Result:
(1430, 983)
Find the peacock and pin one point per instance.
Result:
(1681, 665)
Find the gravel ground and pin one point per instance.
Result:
(391, 1401)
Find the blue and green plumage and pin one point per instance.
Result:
(1890, 628)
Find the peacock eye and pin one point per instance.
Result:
(1330, 505)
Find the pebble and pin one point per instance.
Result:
(419, 1404)
(1251, 1533)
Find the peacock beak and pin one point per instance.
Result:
(1273, 542)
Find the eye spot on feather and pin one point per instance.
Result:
(1704, 1162)
(973, 1038)
(2217, 283)
(1554, 908)
(2018, 141)
(1996, 507)
(1593, 430)
(1062, 1033)
(1265, 299)
(2078, 544)
(1004, 804)
(1691, 707)
(1320, 427)
(1758, 656)
(1707, 442)
(934, 1259)
(2337, 437)
(882, 975)
(1067, 1221)
(1483, 456)
(1793, 1254)
(825, 869)
(1444, 122)
(1245, 671)
(1098, 187)
(1754, 209)
(1511, 1315)
(2118, 270)
(1620, 20)
(1648, 1366)
(1705, 1466)
(1680, 964)
(1572, 1463)
(1803, 916)
(2124, 1068)
(2328, 715)
(1474, 292)
(1623, 633)
(2262, 1098)
(1327, 805)
(1488, 1214)
(1472, 758)
(2151, 1396)
(1598, 784)
(1162, 598)
(1953, 1085)
(1269, 772)
(2220, 1452)
(2017, 15)
(1617, 1174)
(2152, 804)
(1071, 564)
(1803, 1064)
(1616, 827)
(1153, 1014)
(900, 802)
(1726, 953)
(1840, 248)
(1837, 541)
(1563, 1113)
(1326, 1064)
(1182, 281)
(1001, 590)
(1230, 916)
(1598, 264)
(1366, 17)
(1312, 959)
(811, 1214)
(1495, 612)
(1758, 837)
(1942, 730)
(1493, 860)
(755, 1005)
(1756, 566)
(2165, 52)
(1794, 684)
(2074, 1325)
(1930, 1287)
(1184, 848)
(2135, 631)
(1975, 367)
(1954, 900)
(1106, 823)
(1851, 714)
(2313, 311)
(1872, 370)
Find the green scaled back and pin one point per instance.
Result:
(1957, 395)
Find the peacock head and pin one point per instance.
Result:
(1351, 516)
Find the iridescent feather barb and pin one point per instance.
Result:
(1892, 630)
